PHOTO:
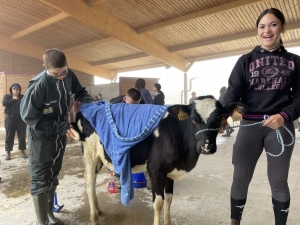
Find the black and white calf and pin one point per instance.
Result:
(170, 152)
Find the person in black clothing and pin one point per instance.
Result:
(193, 97)
(44, 108)
(13, 122)
(140, 84)
(159, 98)
(267, 80)
(229, 129)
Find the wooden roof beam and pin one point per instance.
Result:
(32, 50)
(120, 59)
(89, 44)
(142, 67)
(40, 25)
(224, 39)
(289, 44)
(294, 43)
(197, 15)
(195, 45)
(115, 27)
(221, 54)
(92, 3)
(211, 41)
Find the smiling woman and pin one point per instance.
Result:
(267, 80)
(270, 25)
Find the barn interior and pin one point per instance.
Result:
(202, 197)
(105, 37)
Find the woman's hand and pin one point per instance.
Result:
(274, 121)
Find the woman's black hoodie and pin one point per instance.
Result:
(267, 82)
(12, 106)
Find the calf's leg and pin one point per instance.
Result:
(157, 206)
(158, 196)
(90, 185)
(98, 168)
(168, 200)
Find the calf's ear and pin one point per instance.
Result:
(180, 112)
(241, 108)
(236, 106)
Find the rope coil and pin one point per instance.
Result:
(279, 136)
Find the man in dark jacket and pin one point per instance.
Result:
(44, 108)
(159, 98)
(133, 96)
(13, 122)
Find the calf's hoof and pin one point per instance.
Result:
(234, 222)
(56, 223)
(100, 213)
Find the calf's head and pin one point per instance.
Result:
(203, 118)
(206, 114)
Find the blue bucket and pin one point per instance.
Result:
(139, 180)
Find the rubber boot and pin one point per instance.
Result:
(52, 219)
(117, 180)
(23, 154)
(7, 157)
(234, 222)
(41, 208)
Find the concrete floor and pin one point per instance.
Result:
(200, 198)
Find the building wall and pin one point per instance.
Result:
(2, 93)
(15, 68)
(85, 79)
(108, 91)
(129, 82)
(12, 63)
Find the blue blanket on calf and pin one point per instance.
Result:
(121, 126)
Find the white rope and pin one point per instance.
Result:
(279, 136)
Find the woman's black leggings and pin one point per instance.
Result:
(249, 144)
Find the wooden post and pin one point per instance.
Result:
(114, 76)
(5, 84)
(185, 88)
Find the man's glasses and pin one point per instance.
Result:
(58, 75)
